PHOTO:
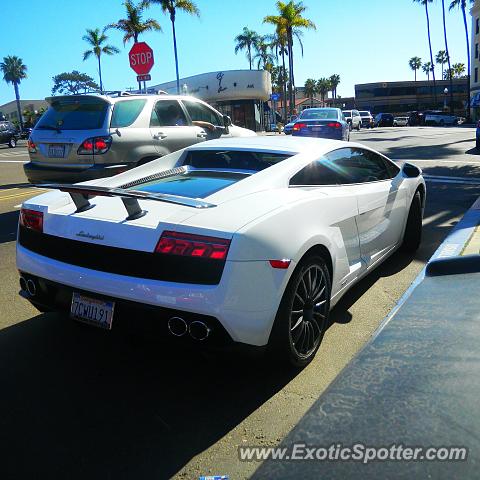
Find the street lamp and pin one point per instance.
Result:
(445, 98)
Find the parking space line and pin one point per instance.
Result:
(13, 161)
(18, 195)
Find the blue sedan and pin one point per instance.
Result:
(322, 123)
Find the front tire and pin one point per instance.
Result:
(302, 316)
(12, 143)
(413, 230)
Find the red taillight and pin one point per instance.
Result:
(189, 245)
(299, 126)
(31, 219)
(334, 125)
(97, 145)
(32, 148)
(283, 264)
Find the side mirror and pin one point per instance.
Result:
(411, 171)
(227, 120)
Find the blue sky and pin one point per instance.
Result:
(363, 41)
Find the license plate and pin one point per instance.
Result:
(317, 129)
(56, 151)
(90, 310)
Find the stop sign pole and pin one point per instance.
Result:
(141, 62)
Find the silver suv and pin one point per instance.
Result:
(83, 137)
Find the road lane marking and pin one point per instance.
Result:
(18, 195)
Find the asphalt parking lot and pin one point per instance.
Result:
(77, 402)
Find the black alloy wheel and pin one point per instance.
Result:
(302, 317)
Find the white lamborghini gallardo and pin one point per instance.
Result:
(248, 240)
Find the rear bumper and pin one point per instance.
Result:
(245, 301)
(332, 136)
(37, 173)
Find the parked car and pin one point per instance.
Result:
(440, 119)
(288, 128)
(353, 118)
(367, 119)
(400, 122)
(83, 137)
(384, 120)
(322, 123)
(248, 240)
(416, 118)
(8, 134)
(25, 132)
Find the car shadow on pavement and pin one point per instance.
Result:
(81, 403)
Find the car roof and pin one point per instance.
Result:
(112, 100)
(284, 144)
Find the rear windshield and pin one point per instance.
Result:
(192, 184)
(347, 113)
(233, 159)
(319, 114)
(76, 114)
(364, 114)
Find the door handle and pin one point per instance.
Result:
(202, 135)
(159, 136)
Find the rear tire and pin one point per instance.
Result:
(302, 317)
(12, 143)
(413, 230)
(359, 126)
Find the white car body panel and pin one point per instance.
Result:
(265, 219)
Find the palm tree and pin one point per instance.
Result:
(310, 89)
(462, 4)
(441, 59)
(448, 55)
(247, 40)
(289, 21)
(171, 7)
(335, 82)
(323, 87)
(425, 4)
(458, 70)
(96, 40)
(415, 63)
(264, 58)
(14, 71)
(278, 43)
(133, 25)
(427, 68)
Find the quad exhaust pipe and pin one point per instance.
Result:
(197, 330)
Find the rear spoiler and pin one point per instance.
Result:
(81, 194)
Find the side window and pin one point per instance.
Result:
(200, 112)
(167, 113)
(320, 172)
(126, 112)
(362, 166)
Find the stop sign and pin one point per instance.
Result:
(141, 58)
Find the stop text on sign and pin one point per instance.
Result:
(143, 58)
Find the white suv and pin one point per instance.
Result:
(353, 119)
(83, 137)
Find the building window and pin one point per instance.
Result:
(476, 74)
(476, 50)
(477, 27)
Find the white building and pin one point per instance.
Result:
(8, 111)
(241, 94)
(475, 61)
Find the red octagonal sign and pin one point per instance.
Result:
(141, 58)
